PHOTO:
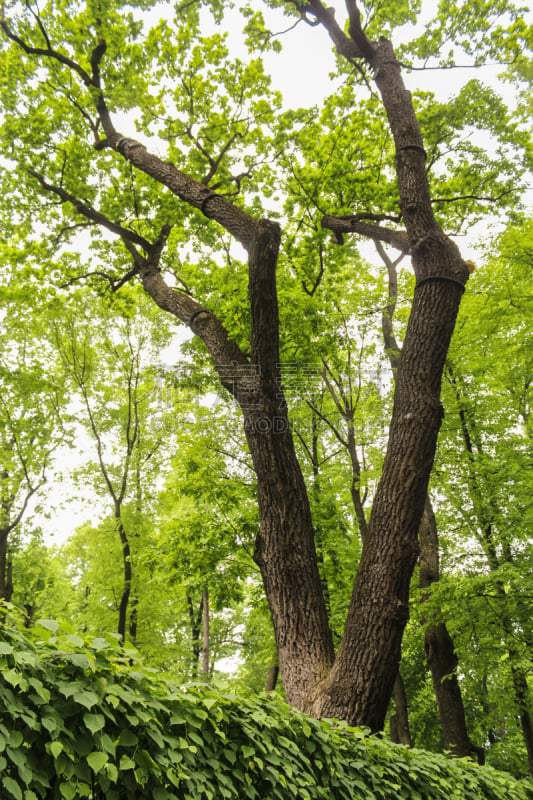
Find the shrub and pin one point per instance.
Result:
(82, 719)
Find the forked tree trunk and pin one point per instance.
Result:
(357, 686)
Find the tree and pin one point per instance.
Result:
(32, 423)
(491, 418)
(114, 376)
(74, 65)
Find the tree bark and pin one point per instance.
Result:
(285, 546)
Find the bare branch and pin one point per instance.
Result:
(47, 52)
(472, 197)
(318, 280)
(91, 214)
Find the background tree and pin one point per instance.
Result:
(33, 404)
(110, 371)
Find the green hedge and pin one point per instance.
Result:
(83, 720)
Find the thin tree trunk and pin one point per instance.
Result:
(127, 573)
(399, 722)
(205, 636)
(319, 539)
(440, 651)
(134, 613)
(6, 584)
(196, 625)
(272, 678)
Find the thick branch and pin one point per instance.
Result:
(236, 221)
(326, 16)
(340, 225)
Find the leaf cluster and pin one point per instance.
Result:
(82, 719)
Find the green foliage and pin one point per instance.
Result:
(84, 720)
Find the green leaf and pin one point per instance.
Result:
(12, 787)
(56, 748)
(97, 760)
(126, 763)
(94, 722)
(128, 738)
(68, 790)
(86, 698)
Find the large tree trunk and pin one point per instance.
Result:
(439, 647)
(285, 546)
(360, 684)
